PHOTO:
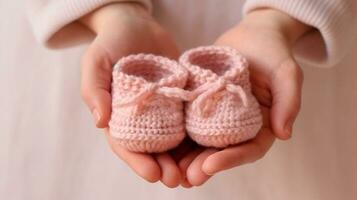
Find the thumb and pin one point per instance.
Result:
(286, 86)
(96, 83)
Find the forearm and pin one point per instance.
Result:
(56, 22)
(291, 28)
(105, 17)
(334, 23)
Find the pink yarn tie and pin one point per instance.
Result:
(150, 90)
(207, 95)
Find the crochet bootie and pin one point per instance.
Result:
(223, 110)
(147, 108)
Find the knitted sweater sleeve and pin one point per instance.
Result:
(335, 23)
(54, 22)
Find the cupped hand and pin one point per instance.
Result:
(122, 29)
(265, 38)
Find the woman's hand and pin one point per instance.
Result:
(122, 29)
(265, 37)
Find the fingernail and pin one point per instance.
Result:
(210, 173)
(289, 128)
(206, 171)
(96, 116)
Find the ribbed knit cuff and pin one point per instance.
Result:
(335, 21)
(50, 18)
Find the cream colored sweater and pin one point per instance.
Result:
(334, 21)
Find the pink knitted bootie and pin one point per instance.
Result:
(223, 110)
(147, 108)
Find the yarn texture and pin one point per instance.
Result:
(147, 109)
(222, 110)
(148, 92)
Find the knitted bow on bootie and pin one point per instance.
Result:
(148, 93)
(147, 108)
(207, 95)
(224, 111)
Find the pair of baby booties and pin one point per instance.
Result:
(207, 94)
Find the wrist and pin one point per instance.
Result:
(290, 28)
(112, 14)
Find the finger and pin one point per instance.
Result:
(240, 154)
(185, 163)
(95, 84)
(170, 173)
(144, 165)
(286, 91)
(184, 183)
(194, 173)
